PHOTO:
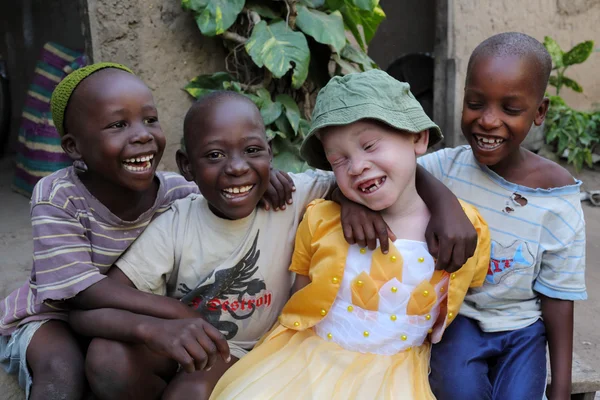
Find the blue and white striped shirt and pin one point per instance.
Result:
(538, 241)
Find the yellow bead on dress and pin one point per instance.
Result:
(450, 315)
(366, 333)
(394, 289)
(296, 323)
(428, 317)
(350, 308)
(335, 279)
(453, 276)
(359, 283)
(329, 336)
(363, 251)
(404, 337)
(442, 289)
(430, 330)
(393, 258)
(393, 317)
(323, 312)
(421, 259)
(425, 293)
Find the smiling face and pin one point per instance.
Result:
(373, 164)
(501, 103)
(112, 125)
(227, 156)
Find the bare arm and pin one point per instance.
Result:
(300, 282)
(450, 236)
(558, 318)
(117, 291)
(192, 342)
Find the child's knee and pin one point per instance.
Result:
(107, 364)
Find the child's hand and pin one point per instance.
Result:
(362, 225)
(193, 343)
(279, 192)
(451, 237)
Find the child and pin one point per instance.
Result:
(496, 348)
(83, 218)
(217, 252)
(357, 325)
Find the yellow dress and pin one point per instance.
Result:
(362, 328)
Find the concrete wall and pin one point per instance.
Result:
(162, 44)
(25, 26)
(408, 28)
(567, 21)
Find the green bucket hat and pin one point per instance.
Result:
(372, 94)
(64, 90)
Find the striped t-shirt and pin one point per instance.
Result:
(76, 239)
(538, 241)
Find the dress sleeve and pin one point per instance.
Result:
(150, 260)
(562, 272)
(303, 251)
(62, 262)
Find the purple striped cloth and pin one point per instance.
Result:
(76, 239)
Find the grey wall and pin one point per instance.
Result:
(25, 25)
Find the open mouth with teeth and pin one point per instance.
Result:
(139, 164)
(488, 142)
(236, 192)
(372, 185)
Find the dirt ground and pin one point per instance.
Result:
(16, 248)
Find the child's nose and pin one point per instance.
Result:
(489, 120)
(358, 166)
(237, 166)
(142, 134)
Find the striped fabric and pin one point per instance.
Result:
(76, 239)
(39, 152)
(538, 241)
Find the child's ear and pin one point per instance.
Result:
(421, 142)
(183, 163)
(69, 145)
(540, 114)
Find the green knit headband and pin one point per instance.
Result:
(64, 90)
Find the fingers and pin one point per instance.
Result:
(359, 236)
(289, 179)
(287, 184)
(444, 258)
(219, 341)
(391, 235)
(277, 197)
(458, 258)
(182, 356)
(381, 231)
(370, 236)
(264, 203)
(210, 348)
(432, 243)
(348, 233)
(196, 351)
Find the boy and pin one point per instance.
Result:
(83, 218)
(496, 348)
(215, 251)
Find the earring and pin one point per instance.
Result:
(80, 166)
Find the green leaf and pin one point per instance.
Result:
(292, 112)
(276, 47)
(369, 20)
(304, 128)
(325, 28)
(553, 81)
(233, 86)
(262, 10)
(366, 5)
(334, 4)
(351, 53)
(214, 17)
(313, 3)
(570, 83)
(271, 134)
(204, 84)
(555, 52)
(269, 110)
(347, 67)
(579, 53)
(283, 125)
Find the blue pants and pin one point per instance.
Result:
(469, 364)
